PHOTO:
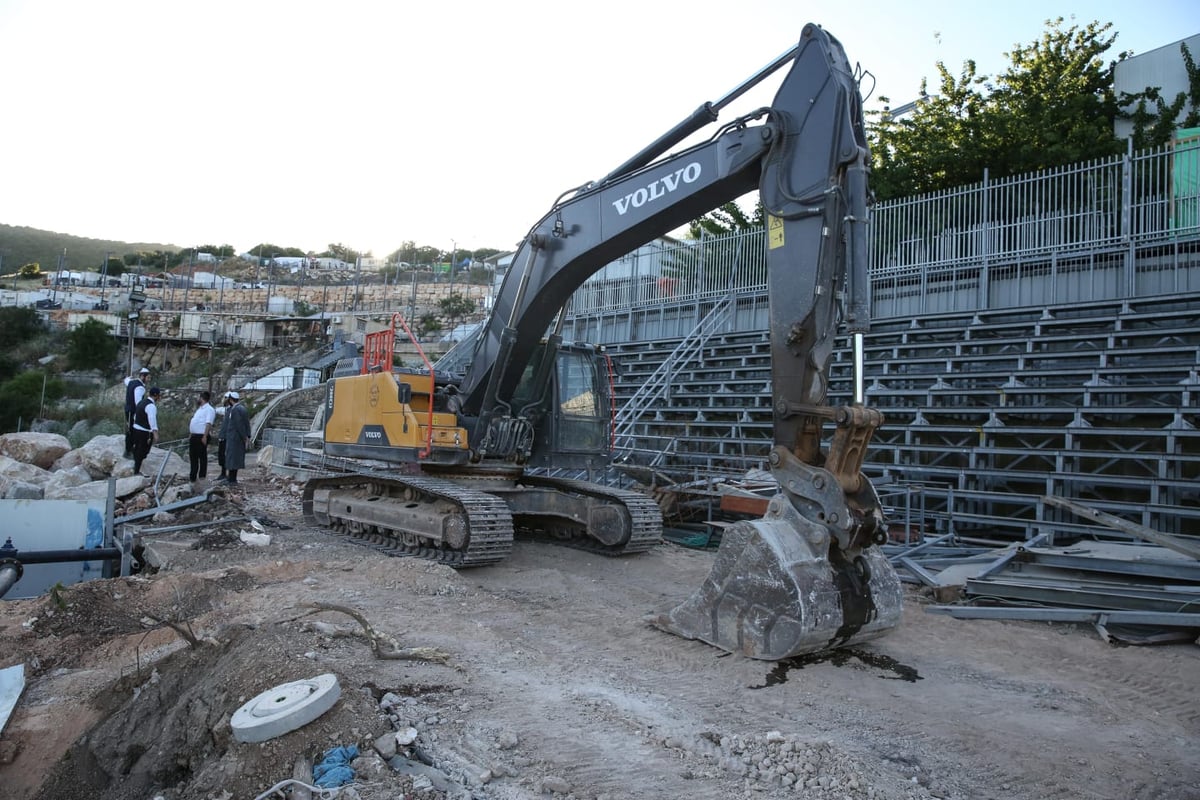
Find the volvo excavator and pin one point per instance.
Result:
(445, 462)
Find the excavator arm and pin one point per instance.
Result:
(809, 575)
(806, 155)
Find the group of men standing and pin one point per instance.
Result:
(233, 431)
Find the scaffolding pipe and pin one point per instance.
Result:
(10, 573)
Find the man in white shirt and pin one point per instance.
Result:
(199, 431)
(145, 427)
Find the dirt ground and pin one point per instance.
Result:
(555, 686)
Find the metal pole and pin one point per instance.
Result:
(132, 321)
(104, 276)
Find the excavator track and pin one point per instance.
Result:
(645, 517)
(486, 530)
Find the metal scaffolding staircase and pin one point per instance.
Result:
(657, 386)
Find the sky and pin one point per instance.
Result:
(453, 125)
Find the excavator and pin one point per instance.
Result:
(459, 459)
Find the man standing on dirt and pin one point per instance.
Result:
(145, 428)
(199, 430)
(237, 437)
(135, 390)
(223, 436)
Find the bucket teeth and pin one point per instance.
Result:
(772, 594)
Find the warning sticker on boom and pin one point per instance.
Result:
(774, 232)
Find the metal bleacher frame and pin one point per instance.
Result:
(1036, 335)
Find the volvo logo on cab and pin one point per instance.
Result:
(659, 188)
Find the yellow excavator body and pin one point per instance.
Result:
(382, 411)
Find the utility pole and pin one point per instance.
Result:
(104, 278)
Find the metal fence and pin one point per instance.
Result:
(1120, 227)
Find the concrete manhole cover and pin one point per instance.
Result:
(285, 708)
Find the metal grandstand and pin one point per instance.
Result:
(1033, 335)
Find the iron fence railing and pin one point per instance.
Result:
(1117, 227)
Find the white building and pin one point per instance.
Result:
(1162, 68)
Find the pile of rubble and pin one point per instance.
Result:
(43, 466)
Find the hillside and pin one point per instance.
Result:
(20, 245)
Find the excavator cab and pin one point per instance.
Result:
(575, 430)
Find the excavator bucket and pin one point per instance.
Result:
(777, 590)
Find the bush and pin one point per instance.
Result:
(92, 346)
(21, 399)
(19, 325)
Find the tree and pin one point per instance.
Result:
(18, 325)
(92, 345)
(1053, 105)
(942, 143)
(21, 398)
(454, 306)
(343, 253)
(728, 218)
(428, 325)
(31, 270)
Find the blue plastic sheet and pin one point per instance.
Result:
(334, 769)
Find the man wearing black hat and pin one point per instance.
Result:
(145, 427)
(237, 436)
(135, 390)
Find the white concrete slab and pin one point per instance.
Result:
(12, 683)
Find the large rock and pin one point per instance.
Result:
(103, 454)
(20, 490)
(98, 490)
(68, 460)
(39, 449)
(15, 470)
(68, 478)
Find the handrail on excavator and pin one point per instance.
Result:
(378, 350)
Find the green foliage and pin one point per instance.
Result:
(1053, 105)
(454, 306)
(92, 345)
(30, 270)
(1153, 118)
(18, 325)
(342, 253)
(56, 596)
(727, 219)
(150, 260)
(21, 398)
(428, 325)
(8, 367)
(302, 308)
(24, 245)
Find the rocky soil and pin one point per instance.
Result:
(540, 678)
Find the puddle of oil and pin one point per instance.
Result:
(892, 669)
